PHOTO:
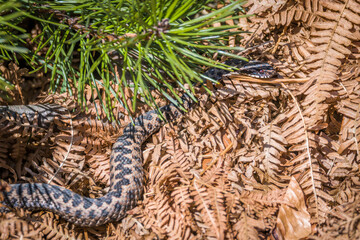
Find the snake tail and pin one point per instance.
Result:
(126, 179)
(126, 173)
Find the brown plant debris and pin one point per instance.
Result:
(253, 160)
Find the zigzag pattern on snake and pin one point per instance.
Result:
(126, 172)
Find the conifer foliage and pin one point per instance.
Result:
(152, 44)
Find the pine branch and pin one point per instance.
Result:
(155, 45)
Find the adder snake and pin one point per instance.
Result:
(126, 171)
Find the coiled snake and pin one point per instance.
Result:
(126, 172)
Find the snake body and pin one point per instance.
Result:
(126, 172)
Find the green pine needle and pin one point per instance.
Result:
(166, 40)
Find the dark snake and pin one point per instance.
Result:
(126, 171)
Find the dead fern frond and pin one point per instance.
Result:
(221, 171)
(342, 221)
(210, 203)
(274, 144)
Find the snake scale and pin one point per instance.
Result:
(126, 172)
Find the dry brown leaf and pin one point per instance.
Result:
(293, 221)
